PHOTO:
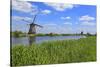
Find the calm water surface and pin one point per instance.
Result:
(40, 39)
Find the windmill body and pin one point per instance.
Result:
(32, 29)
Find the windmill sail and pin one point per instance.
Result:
(32, 29)
(39, 25)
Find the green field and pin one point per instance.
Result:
(54, 52)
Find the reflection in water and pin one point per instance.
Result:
(39, 39)
(31, 40)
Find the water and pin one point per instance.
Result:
(40, 39)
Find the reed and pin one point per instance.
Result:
(54, 52)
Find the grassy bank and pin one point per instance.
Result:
(54, 52)
(23, 34)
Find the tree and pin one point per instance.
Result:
(17, 33)
(88, 34)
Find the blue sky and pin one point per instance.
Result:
(54, 17)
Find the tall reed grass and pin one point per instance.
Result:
(55, 52)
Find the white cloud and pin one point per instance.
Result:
(50, 24)
(60, 6)
(54, 28)
(19, 18)
(86, 18)
(46, 12)
(86, 29)
(66, 17)
(68, 23)
(23, 6)
(88, 23)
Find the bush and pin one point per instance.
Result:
(18, 34)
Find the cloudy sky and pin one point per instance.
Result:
(54, 17)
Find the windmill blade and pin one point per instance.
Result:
(34, 18)
(28, 24)
(39, 25)
(25, 20)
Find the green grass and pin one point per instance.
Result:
(23, 34)
(54, 52)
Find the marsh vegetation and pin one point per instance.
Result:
(54, 52)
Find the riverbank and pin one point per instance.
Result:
(54, 52)
(21, 34)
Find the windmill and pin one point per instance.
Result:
(32, 26)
